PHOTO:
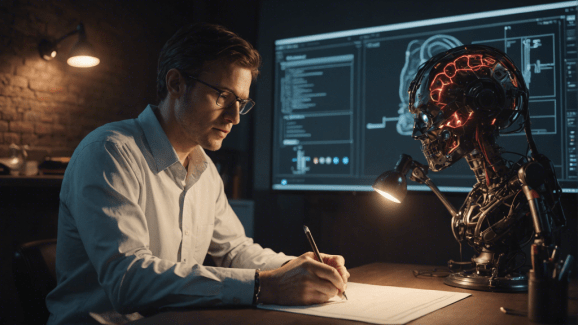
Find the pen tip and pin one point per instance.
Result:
(305, 228)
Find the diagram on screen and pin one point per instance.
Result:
(418, 51)
(301, 161)
(534, 56)
(338, 122)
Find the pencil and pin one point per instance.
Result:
(315, 250)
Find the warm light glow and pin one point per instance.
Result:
(466, 63)
(455, 145)
(83, 61)
(455, 120)
(387, 196)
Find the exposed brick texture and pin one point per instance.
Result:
(51, 106)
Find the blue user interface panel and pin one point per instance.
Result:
(341, 106)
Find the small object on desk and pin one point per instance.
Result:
(31, 168)
(556, 270)
(14, 164)
(4, 169)
(509, 311)
(565, 271)
(537, 265)
(547, 296)
(315, 249)
(554, 255)
(54, 165)
(432, 273)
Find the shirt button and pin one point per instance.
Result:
(186, 232)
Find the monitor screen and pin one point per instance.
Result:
(341, 106)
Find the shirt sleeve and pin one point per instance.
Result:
(231, 248)
(103, 200)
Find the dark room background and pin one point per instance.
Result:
(51, 106)
(360, 226)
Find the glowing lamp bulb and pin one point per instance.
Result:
(83, 61)
(387, 196)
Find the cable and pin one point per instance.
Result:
(432, 273)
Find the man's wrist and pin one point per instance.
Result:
(257, 290)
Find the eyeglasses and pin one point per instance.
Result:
(227, 98)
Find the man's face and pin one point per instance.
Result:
(201, 120)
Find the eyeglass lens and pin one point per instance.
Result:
(227, 99)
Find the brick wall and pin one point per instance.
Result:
(50, 105)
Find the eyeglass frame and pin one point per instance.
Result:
(220, 91)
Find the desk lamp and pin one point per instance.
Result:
(81, 54)
(461, 101)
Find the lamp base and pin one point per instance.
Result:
(510, 283)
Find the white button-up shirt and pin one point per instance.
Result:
(134, 228)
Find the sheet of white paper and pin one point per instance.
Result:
(378, 304)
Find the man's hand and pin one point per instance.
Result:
(304, 281)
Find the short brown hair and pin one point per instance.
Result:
(194, 45)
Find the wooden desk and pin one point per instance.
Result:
(480, 308)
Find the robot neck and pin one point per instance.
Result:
(486, 162)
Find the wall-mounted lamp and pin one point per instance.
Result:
(81, 54)
(393, 185)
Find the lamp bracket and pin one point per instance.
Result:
(419, 175)
(419, 172)
(79, 29)
(46, 46)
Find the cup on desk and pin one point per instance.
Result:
(31, 168)
(547, 299)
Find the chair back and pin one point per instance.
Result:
(35, 276)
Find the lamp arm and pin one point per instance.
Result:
(79, 29)
(442, 198)
(64, 37)
(419, 174)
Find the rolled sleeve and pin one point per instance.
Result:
(231, 248)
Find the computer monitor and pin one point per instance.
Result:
(341, 107)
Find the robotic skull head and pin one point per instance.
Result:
(460, 95)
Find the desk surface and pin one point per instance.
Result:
(480, 308)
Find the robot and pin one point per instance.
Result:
(461, 101)
(418, 51)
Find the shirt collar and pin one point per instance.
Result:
(161, 148)
(197, 165)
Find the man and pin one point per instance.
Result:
(142, 204)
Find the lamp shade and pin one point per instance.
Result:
(82, 54)
(392, 185)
